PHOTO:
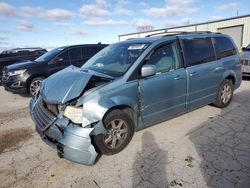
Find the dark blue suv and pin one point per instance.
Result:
(26, 77)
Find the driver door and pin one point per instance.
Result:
(163, 94)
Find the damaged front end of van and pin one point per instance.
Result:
(64, 119)
(82, 112)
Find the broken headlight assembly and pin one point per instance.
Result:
(75, 114)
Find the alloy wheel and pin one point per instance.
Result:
(35, 87)
(226, 93)
(117, 131)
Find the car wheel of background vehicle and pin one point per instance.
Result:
(34, 86)
(120, 130)
(225, 94)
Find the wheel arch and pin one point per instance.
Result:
(229, 75)
(31, 78)
(232, 78)
(126, 109)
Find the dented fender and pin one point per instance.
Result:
(97, 104)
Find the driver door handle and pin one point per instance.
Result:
(193, 74)
(178, 77)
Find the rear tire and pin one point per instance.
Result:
(34, 86)
(225, 94)
(120, 130)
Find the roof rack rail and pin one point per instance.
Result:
(167, 33)
(153, 34)
(130, 38)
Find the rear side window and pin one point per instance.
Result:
(75, 54)
(90, 51)
(40, 52)
(23, 53)
(32, 53)
(198, 51)
(224, 47)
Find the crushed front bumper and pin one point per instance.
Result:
(71, 141)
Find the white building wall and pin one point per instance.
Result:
(229, 23)
(188, 29)
(204, 27)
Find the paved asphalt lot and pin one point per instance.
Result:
(208, 147)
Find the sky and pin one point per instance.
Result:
(53, 23)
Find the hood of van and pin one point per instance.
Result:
(69, 84)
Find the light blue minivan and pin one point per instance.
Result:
(130, 85)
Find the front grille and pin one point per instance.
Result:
(52, 108)
(5, 76)
(42, 116)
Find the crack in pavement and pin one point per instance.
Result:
(224, 146)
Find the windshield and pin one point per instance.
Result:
(49, 55)
(115, 59)
(248, 47)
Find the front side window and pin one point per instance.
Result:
(49, 55)
(165, 58)
(115, 59)
(63, 57)
(224, 47)
(198, 51)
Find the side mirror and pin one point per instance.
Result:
(55, 60)
(148, 70)
(243, 48)
(59, 59)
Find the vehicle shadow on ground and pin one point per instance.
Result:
(149, 168)
(25, 95)
(223, 143)
(246, 78)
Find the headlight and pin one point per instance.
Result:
(13, 73)
(74, 114)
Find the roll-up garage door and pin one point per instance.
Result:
(236, 32)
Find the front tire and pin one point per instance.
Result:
(34, 86)
(120, 130)
(225, 94)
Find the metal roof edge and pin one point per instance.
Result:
(190, 25)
